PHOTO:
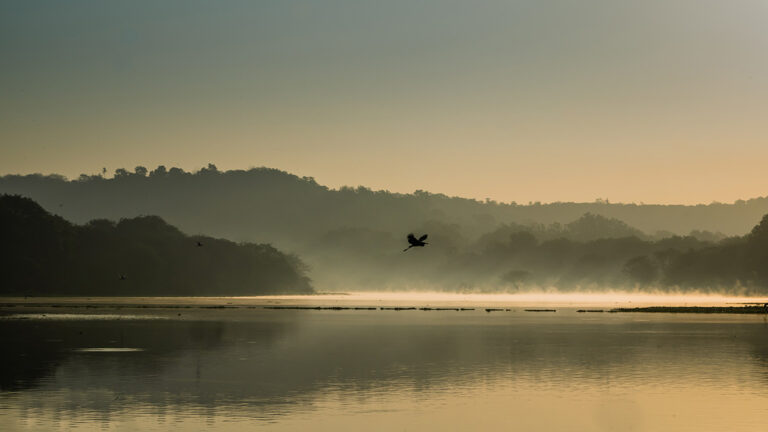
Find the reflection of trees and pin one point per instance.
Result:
(758, 339)
(256, 362)
(34, 349)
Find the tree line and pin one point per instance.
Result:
(43, 254)
(352, 237)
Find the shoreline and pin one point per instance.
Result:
(696, 309)
(14, 304)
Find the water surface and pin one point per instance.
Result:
(249, 368)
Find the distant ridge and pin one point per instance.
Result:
(351, 238)
(227, 202)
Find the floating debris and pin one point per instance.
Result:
(321, 307)
(394, 308)
(697, 309)
(308, 307)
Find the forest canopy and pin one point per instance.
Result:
(352, 237)
(43, 254)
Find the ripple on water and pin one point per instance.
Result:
(107, 350)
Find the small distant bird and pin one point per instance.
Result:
(199, 244)
(416, 241)
(123, 277)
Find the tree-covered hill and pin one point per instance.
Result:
(264, 204)
(43, 254)
(352, 238)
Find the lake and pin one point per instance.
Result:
(230, 364)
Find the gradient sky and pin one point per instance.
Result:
(645, 100)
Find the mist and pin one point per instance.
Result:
(351, 239)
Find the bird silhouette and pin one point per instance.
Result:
(416, 241)
(199, 244)
(123, 277)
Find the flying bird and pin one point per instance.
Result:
(416, 241)
(199, 244)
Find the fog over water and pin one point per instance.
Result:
(303, 235)
(574, 299)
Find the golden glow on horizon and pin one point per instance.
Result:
(642, 101)
(608, 299)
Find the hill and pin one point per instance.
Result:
(272, 205)
(43, 254)
(352, 237)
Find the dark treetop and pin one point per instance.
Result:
(43, 254)
(352, 237)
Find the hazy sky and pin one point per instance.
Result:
(654, 101)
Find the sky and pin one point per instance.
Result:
(655, 101)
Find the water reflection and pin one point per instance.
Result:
(335, 369)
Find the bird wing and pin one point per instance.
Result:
(422, 238)
(412, 239)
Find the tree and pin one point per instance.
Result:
(641, 270)
(160, 171)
